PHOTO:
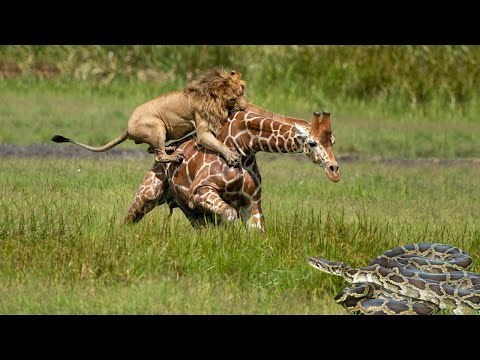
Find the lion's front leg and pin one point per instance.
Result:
(206, 138)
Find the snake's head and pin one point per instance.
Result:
(331, 267)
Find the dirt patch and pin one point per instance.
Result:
(52, 150)
(439, 162)
(47, 150)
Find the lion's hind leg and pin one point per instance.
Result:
(151, 130)
(163, 157)
(168, 149)
(160, 151)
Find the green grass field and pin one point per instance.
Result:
(63, 250)
(33, 115)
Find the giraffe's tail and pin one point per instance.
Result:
(108, 146)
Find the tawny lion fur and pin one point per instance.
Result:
(202, 106)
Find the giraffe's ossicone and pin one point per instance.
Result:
(207, 190)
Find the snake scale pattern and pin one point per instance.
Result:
(415, 279)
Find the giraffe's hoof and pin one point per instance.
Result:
(229, 216)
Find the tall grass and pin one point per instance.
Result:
(62, 249)
(402, 76)
(40, 111)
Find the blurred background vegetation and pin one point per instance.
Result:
(407, 74)
(422, 101)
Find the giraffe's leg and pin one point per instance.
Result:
(207, 198)
(252, 216)
(149, 195)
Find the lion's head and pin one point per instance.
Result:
(235, 92)
(216, 92)
(220, 85)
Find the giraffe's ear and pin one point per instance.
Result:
(300, 130)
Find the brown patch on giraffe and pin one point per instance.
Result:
(297, 143)
(284, 129)
(275, 125)
(255, 143)
(182, 172)
(326, 139)
(264, 145)
(281, 143)
(232, 187)
(191, 166)
(289, 143)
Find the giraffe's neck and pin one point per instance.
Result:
(256, 133)
(267, 113)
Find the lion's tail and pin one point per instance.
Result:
(111, 144)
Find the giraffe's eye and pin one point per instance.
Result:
(312, 143)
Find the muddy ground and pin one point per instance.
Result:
(66, 151)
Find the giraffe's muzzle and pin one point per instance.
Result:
(332, 171)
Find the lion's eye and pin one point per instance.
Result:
(312, 143)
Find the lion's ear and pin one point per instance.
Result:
(243, 84)
(218, 84)
(235, 75)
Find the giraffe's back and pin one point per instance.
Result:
(203, 168)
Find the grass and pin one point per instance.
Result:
(62, 249)
(414, 74)
(36, 113)
(427, 107)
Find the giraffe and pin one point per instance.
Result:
(207, 190)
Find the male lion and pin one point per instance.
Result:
(202, 106)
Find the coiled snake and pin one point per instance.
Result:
(413, 279)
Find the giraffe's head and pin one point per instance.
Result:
(318, 145)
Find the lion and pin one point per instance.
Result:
(203, 106)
